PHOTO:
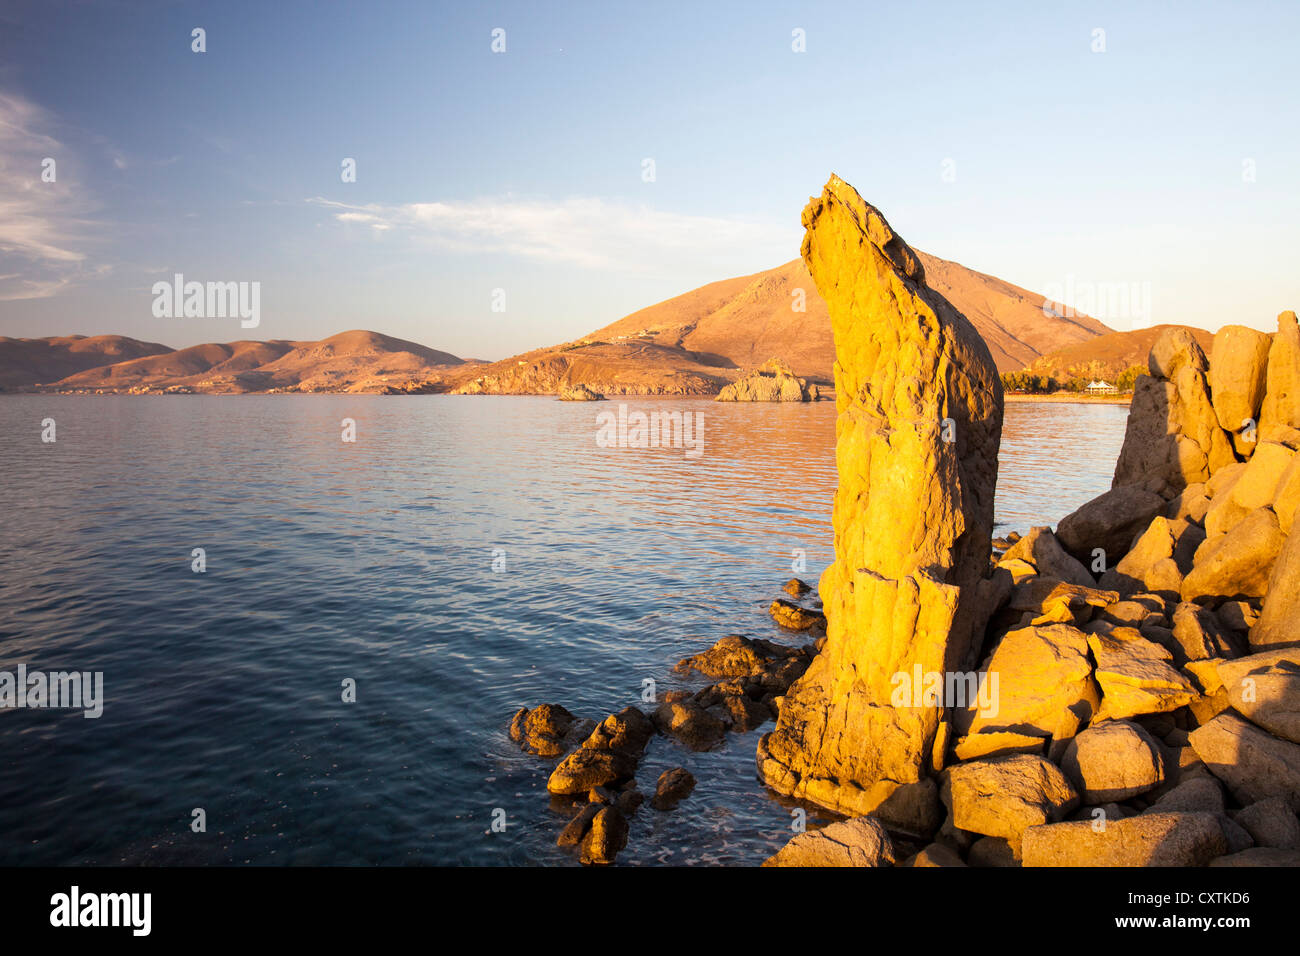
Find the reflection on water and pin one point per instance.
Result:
(374, 561)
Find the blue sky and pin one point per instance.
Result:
(1167, 165)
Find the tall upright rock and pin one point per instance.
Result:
(919, 407)
(1280, 412)
(1238, 374)
(1173, 438)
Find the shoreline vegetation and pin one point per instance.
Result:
(1122, 690)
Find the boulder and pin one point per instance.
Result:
(1113, 761)
(773, 381)
(1281, 406)
(577, 828)
(606, 837)
(998, 743)
(1196, 794)
(689, 723)
(1279, 618)
(1190, 505)
(1259, 856)
(1287, 498)
(1271, 823)
(919, 405)
(1136, 675)
(795, 618)
(1151, 839)
(1041, 549)
(1110, 522)
(585, 768)
(1044, 685)
(1172, 438)
(796, 588)
(674, 786)
(1159, 559)
(542, 730)
(1002, 796)
(858, 842)
(1238, 373)
(1174, 349)
(773, 665)
(1269, 697)
(992, 852)
(1198, 635)
(629, 730)
(936, 854)
(1261, 479)
(1253, 763)
(1236, 564)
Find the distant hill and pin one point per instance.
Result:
(1106, 356)
(27, 362)
(705, 338)
(691, 344)
(355, 361)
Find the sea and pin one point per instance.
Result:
(313, 616)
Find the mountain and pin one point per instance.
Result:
(1106, 356)
(27, 362)
(356, 361)
(699, 341)
(691, 344)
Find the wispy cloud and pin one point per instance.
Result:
(588, 232)
(41, 223)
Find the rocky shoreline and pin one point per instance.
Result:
(1123, 690)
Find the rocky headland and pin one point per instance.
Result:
(1123, 690)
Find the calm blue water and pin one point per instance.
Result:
(373, 561)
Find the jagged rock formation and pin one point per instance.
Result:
(773, 381)
(1164, 702)
(920, 418)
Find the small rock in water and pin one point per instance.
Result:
(607, 836)
(795, 618)
(629, 801)
(541, 730)
(795, 587)
(674, 786)
(691, 724)
(585, 768)
(577, 828)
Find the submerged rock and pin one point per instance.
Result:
(674, 786)
(920, 417)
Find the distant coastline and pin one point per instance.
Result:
(1072, 398)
